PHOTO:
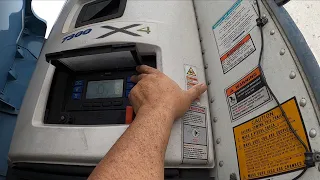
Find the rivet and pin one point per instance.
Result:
(212, 100)
(215, 119)
(312, 133)
(303, 102)
(254, 2)
(282, 52)
(221, 163)
(233, 176)
(209, 82)
(62, 117)
(218, 141)
(206, 66)
(272, 32)
(264, 15)
(292, 75)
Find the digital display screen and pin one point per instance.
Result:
(104, 89)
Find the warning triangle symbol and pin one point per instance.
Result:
(191, 72)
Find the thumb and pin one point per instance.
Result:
(194, 92)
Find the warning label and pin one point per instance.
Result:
(247, 94)
(231, 34)
(191, 78)
(237, 54)
(191, 151)
(267, 147)
(195, 135)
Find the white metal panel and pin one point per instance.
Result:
(277, 69)
(174, 39)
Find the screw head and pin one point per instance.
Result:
(303, 102)
(218, 141)
(212, 100)
(209, 82)
(203, 51)
(215, 119)
(206, 66)
(221, 163)
(264, 15)
(272, 32)
(254, 2)
(282, 52)
(62, 117)
(292, 75)
(312, 133)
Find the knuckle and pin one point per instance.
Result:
(133, 90)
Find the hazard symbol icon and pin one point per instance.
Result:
(191, 72)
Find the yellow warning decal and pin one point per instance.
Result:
(191, 72)
(267, 147)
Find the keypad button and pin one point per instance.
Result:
(96, 104)
(78, 89)
(106, 104)
(130, 85)
(79, 83)
(86, 105)
(127, 93)
(117, 103)
(76, 96)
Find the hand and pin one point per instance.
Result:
(156, 91)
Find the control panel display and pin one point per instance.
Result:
(104, 89)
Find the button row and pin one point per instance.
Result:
(104, 104)
(77, 89)
(129, 86)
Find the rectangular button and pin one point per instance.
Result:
(86, 105)
(76, 96)
(78, 89)
(129, 114)
(127, 93)
(117, 103)
(129, 86)
(96, 104)
(106, 104)
(79, 83)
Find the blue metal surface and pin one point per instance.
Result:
(21, 40)
(305, 56)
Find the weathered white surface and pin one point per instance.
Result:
(306, 15)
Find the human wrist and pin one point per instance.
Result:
(163, 113)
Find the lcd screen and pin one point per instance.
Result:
(104, 89)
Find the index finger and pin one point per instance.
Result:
(144, 69)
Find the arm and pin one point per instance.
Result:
(139, 153)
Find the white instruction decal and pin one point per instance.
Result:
(247, 95)
(231, 29)
(195, 147)
(237, 54)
